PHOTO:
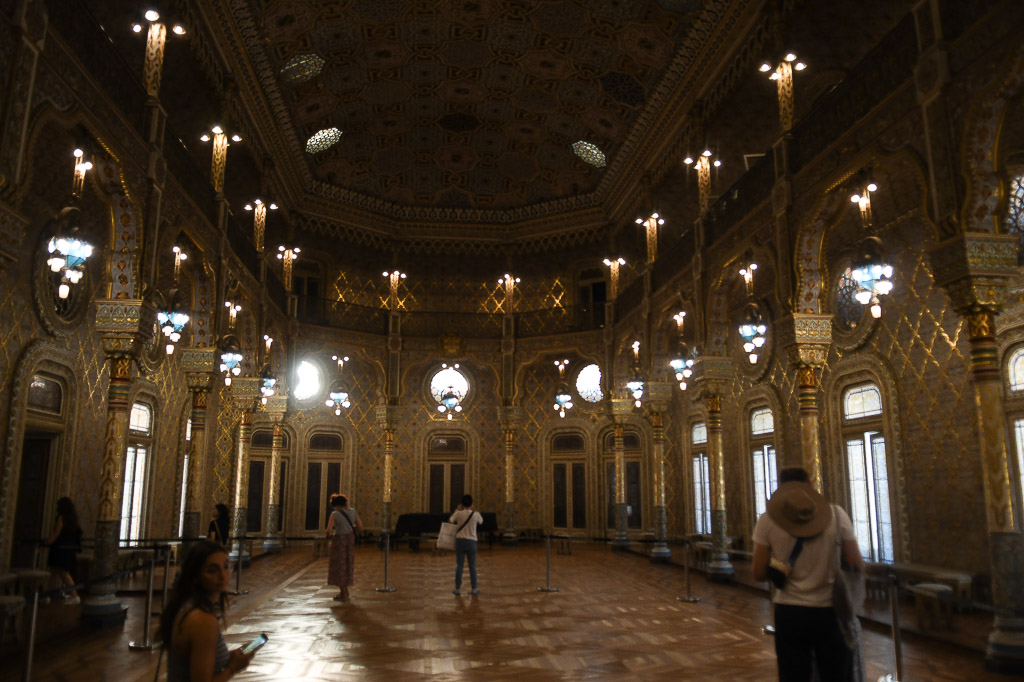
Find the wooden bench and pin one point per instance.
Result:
(915, 574)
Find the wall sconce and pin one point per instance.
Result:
(752, 329)
(782, 74)
(450, 399)
(230, 358)
(156, 38)
(613, 267)
(341, 360)
(82, 166)
(220, 154)
(268, 384)
(563, 399)
(68, 253)
(268, 341)
(174, 319)
(703, 164)
(650, 225)
(233, 310)
(636, 382)
(287, 256)
(509, 282)
(394, 279)
(337, 397)
(259, 220)
(682, 363)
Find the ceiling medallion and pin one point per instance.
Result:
(302, 67)
(322, 140)
(589, 153)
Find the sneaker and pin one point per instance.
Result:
(475, 591)
(457, 593)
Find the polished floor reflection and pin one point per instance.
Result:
(615, 617)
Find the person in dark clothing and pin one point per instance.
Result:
(65, 543)
(219, 527)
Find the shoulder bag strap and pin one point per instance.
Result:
(348, 520)
(471, 515)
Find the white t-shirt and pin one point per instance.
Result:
(810, 581)
(469, 532)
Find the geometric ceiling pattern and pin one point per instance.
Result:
(461, 104)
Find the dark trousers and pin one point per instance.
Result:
(465, 549)
(807, 634)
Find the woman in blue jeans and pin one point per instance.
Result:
(466, 519)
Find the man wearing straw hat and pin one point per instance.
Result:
(793, 545)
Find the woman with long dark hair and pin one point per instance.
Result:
(219, 526)
(190, 626)
(341, 529)
(65, 543)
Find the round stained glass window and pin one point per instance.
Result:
(848, 309)
(302, 67)
(323, 139)
(445, 379)
(588, 383)
(307, 382)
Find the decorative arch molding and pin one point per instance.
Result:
(58, 361)
(300, 452)
(862, 368)
(716, 309)
(203, 303)
(591, 444)
(421, 460)
(986, 189)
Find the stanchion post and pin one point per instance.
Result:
(239, 592)
(387, 563)
(31, 636)
(167, 575)
(689, 598)
(547, 552)
(145, 644)
(897, 642)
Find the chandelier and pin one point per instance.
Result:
(635, 385)
(563, 399)
(450, 400)
(268, 384)
(337, 397)
(872, 275)
(230, 358)
(752, 329)
(173, 319)
(682, 363)
(68, 253)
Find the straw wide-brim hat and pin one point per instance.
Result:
(799, 509)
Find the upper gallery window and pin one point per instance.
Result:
(862, 401)
(308, 383)
(588, 383)
(1015, 369)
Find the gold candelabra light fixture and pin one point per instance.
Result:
(682, 363)
(173, 319)
(563, 398)
(287, 256)
(703, 165)
(394, 278)
(220, 154)
(613, 273)
(341, 360)
(870, 270)
(782, 74)
(650, 225)
(864, 186)
(338, 395)
(268, 341)
(635, 385)
(156, 38)
(752, 328)
(509, 283)
(259, 220)
(82, 166)
(233, 310)
(179, 258)
(69, 253)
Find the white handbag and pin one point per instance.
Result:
(446, 536)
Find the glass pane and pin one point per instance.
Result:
(882, 509)
(699, 434)
(313, 500)
(579, 495)
(183, 496)
(333, 479)
(307, 382)
(610, 493)
(859, 514)
(569, 442)
(560, 515)
(437, 489)
(254, 498)
(706, 492)
(140, 418)
(588, 384)
(282, 492)
(458, 486)
(447, 445)
(1015, 370)
(44, 394)
(188, 429)
(325, 441)
(631, 441)
(1018, 430)
(862, 401)
(761, 422)
(698, 490)
(633, 507)
(126, 493)
(449, 378)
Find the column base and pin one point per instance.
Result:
(720, 570)
(620, 543)
(1005, 650)
(509, 539)
(660, 553)
(273, 543)
(104, 611)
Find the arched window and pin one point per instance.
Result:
(1015, 207)
(701, 479)
(133, 493)
(762, 441)
(323, 478)
(868, 471)
(1015, 380)
(1015, 370)
(45, 394)
(307, 384)
(568, 482)
(588, 384)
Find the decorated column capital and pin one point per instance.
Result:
(245, 392)
(386, 416)
(510, 417)
(658, 396)
(712, 374)
(619, 409)
(805, 337)
(124, 325)
(973, 268)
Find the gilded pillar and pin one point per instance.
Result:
(621, 409)
(807, 338)
(198, 364)
(659, 394)
(713, 375)
(510, 418)
(387, 417)
(974, 269)
(244, 392)
(276, 407)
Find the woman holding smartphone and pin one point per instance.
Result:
(191, 622)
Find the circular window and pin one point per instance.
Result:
(588, 383)
(307, 381)
(449, 387)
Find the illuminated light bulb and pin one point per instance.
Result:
(227, 380)
(217, 130)
(872, 187)
(152, 15)
(717, 163)
(863, 296)
(706, 152)
(236, 370)
(800, 66)
(688, 160)
(169, 348)
(775, 76)
(682, 385)
(179, 30)
(855, 199)
(63, 290)
(753, 358)
(137, 28)
(236, 138)
(440, 408)
(790, 57)
(78, 153)
(204, 137)
(765, 67)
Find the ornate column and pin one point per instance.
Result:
(974, 268)
(387, 419)
(510, 418)
(713, 374)
(244, 391)
(621, 408)
(807, 339)
(659, 395)
(198, 364)
(276, 407)
(119, 322)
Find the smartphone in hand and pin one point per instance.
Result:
(255, 644)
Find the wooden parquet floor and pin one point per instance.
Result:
(614, 618)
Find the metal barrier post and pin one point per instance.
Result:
(238, 592)
(145, 644)
(31, 636)
(387, 564)
(689, 598)
(167, 575)
(547, 552)
(897, 643)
